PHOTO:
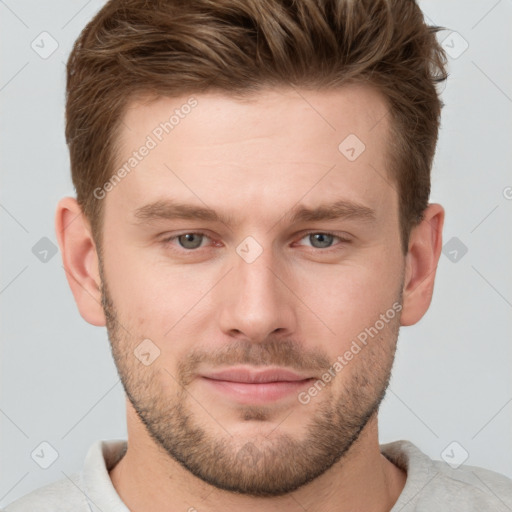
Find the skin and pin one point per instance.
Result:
(298, 304)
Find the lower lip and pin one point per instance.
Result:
(262, 392)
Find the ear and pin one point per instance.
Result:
(80, 259)
(421, 261)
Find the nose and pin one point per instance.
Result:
(256, 300)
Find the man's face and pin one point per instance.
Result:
(199, 309)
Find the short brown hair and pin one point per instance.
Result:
(175, 47)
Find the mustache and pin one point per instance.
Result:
(272, 352)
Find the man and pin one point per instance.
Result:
(252, 226)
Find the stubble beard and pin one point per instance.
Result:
(271, 464)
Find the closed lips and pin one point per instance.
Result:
(257, 377)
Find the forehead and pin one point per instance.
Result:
(279, 114)
(271, 149)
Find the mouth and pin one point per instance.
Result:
(250, 386)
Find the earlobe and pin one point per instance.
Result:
(425, 246)
(80, 259)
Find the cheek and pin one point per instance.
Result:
(168, 303)
(158, 300)
(349, 297)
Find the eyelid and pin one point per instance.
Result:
(343, 239)
(169, 239)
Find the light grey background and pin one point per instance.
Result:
(452, 379)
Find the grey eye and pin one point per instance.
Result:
(190, 240)
(324, 240)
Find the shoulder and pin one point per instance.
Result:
(82, 491)
(60, 496)
(437, 485)
(472, 487)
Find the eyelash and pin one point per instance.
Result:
(167, 241)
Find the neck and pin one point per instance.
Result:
(147, 479)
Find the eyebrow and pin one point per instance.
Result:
(174, 210)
